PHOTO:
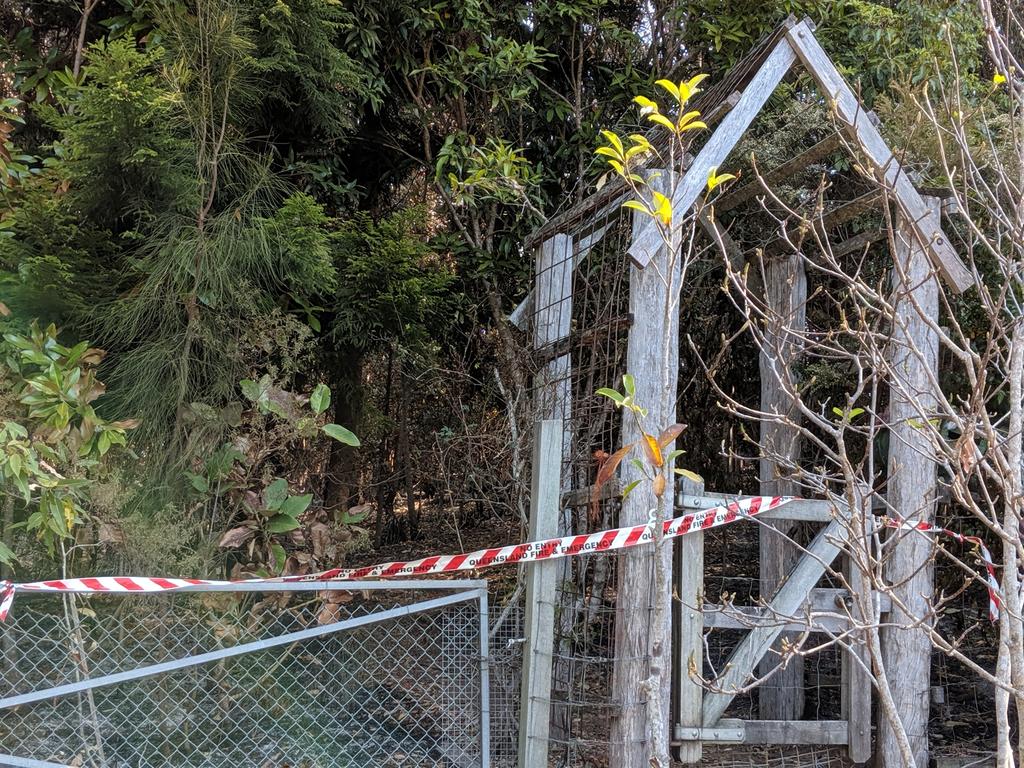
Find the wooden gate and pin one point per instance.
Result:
(797, 605)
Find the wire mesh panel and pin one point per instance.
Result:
(383, 677)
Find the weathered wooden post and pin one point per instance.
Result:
(652, 356)
(785, 290)
(541, 577)
(552, 321)
(689, 630)
(911, 490)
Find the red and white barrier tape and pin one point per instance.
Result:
(549, 549)
(566, 546)
(994, 602)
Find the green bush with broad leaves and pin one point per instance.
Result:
(52, 440)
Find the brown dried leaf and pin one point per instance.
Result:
(604, 474)
(670, 434)
(329, 614)
(236, 537)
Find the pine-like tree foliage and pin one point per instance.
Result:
(310, 78)
(157, 148)
(392, 288)
(125, 162)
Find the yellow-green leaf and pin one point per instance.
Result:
(663, 207)
(689, 475)
(614, 140)
(669, 86)
(646, 105)
(662, 120)
(697, 125)
(636, 205)
(640, 141)
(689, 89)
(715, 179)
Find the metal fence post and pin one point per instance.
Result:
(535, 702)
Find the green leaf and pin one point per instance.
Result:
(250, 389)
(282, 524)
(612, 394)
(320, 399)
(629, 488)
(689, 475)
(7, 556)
(629, 384)
(280, 556)
(14, 463)
(199, 482)
(342, 435)
(275, 494)
(296, 505)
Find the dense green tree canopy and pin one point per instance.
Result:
(306, 192)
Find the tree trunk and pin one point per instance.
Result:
(781, 697)
(906, 651)
(382, 469)
(404, 427)
(341, 486)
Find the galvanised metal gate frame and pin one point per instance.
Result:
(462, 591)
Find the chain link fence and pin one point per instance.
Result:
(298, 675)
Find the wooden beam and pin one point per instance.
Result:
(791, 595)
(718, 147)
(819, 151)
(586, 337)
(733, 252)
(798, 509)
(735, 731)
(688, 625)
(520, 316)
(926, 224)
(910, 489)
(829, 220)
(859, 242)
(652, 357)
(856, 683)
(535, 689)
(781, 696)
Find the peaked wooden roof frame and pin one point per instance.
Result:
(794, 42)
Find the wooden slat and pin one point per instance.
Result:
(927, 225)
(798, 509)
(856, 675)
(786, 602)
(821, 150)
(541, 578)
(718, 147)
(859, 242)
(520, 316)
(552, 320)
(841, 214)
(820, 601)
(689, 630)
(831, 732)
